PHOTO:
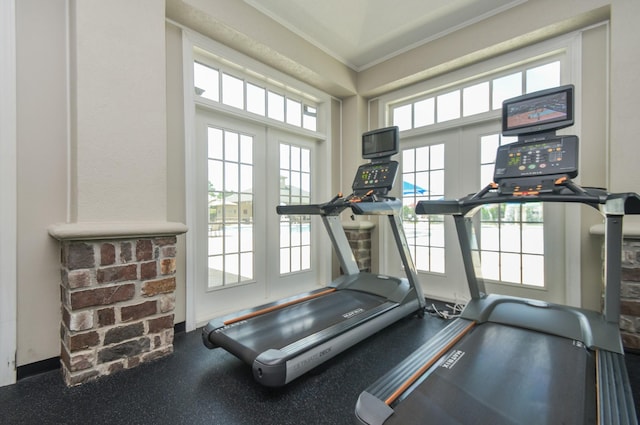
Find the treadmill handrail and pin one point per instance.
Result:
(608, 203)
(387, 206)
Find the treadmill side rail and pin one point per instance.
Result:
(386, 389)
(615, 399)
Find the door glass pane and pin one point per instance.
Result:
(423, 179)
(511, 235)
(295, 189)
(230, 207)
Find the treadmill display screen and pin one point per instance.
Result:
(539, 112)
(558, 155)
(380, 143)
(375, 176)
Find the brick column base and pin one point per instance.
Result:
(630, 294)
(359, 237)
(117, 304)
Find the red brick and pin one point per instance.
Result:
(125, 252)
(106, 316)
(168, 251)
(138, 311)
(144, 250)
(102, 296)
(107, 254)
(123, 333)
(148, 270)
(79, 279)
(83, 341)
(631, 274)
(78, 255)
(124, 350)
(160, 324)
(155, 287)
(164, 241)
(630, 307)
(630, 341)
(167, 266)
(117, 273)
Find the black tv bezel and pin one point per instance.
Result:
(547, 126)
(386, 153)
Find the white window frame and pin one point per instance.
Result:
(569, 46)
(228, 58)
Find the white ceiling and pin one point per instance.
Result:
(361, 33)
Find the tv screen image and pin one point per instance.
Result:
(380, 143)
(538, 112)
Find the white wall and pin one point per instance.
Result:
(104, 184)
(8, 290)
(41, 172)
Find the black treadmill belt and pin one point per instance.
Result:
(503, 375)
(280, 328)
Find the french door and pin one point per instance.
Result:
(239, 238)
(522, 248)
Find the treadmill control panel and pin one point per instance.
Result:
(553, 156)
(376, 176)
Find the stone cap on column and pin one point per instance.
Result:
(629, 230)
(358, 225)
(115, 230)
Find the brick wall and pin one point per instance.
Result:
(359, 237)
(117, 305)
(630, 294)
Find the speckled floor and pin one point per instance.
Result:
(195, 385)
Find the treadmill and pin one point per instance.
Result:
(285, 339)
(510, 360)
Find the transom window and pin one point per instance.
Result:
(231, 90)
(476, 98)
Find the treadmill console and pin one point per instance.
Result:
(375, 176)
(532, 167)
(558, 155)
(540, 160)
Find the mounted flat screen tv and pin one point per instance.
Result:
(543, 111)
(380, 143)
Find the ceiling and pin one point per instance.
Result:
(362, 33)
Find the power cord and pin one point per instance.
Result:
(449, 312)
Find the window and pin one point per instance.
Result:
(242, 112)
(511, 237)
(224, 87)
(476, 98)
(230, 207)
(423, 179)
(295, 189)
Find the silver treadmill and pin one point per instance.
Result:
(287, 338)
(510, 360)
